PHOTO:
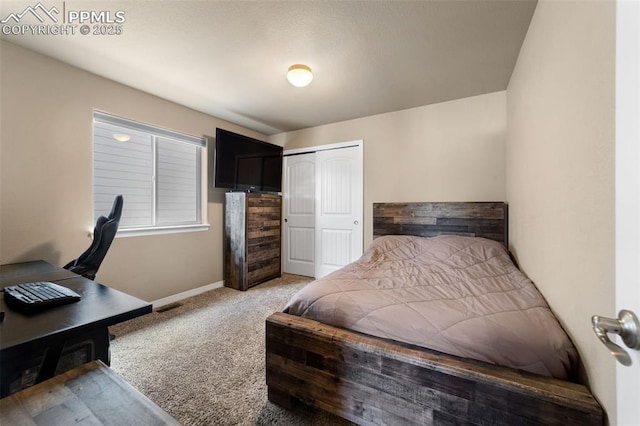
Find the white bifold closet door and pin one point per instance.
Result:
(299, 214)
(322, 210)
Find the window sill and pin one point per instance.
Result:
(160, 230)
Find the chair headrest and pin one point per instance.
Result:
(116, 210)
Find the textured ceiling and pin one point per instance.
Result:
(229, 59)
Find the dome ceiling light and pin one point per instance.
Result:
(299, 75)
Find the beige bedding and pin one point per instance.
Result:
(454, 294)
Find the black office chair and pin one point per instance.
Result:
(87, 263)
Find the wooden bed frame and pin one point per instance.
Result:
(369, 380)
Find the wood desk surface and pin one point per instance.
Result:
(37, 270)
(100, 306)
(90, 394)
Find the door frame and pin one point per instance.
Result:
(312, 149)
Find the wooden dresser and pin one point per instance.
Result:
(252, 239)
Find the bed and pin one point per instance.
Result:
(391, 378)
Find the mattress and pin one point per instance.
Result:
(454, 294)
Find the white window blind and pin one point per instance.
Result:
(158, 171)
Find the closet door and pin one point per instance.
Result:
(299, 214)
(338, 208)
(322, 210)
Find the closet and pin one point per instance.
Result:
(322, 229)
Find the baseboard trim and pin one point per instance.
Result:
(186, 294)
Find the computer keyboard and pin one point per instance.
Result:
(39, 295)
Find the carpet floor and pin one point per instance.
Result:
(204, 361)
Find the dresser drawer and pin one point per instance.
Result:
(263, 200)
(266, 273)
(263, 262)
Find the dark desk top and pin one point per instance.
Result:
(100, 305)
(37, 270)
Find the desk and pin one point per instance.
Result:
(35, 347)
(92, 393)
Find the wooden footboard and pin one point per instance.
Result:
(374, 381)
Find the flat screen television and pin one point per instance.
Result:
(246, 164)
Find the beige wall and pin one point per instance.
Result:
(560, 171)
(46, 177)
(452, 151)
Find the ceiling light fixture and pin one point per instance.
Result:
(299, 75)
(121, 137)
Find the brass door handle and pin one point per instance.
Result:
(626, 326)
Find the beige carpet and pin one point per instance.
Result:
(204, 361)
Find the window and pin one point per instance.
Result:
(160, 173)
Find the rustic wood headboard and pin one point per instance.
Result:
(477, 219)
